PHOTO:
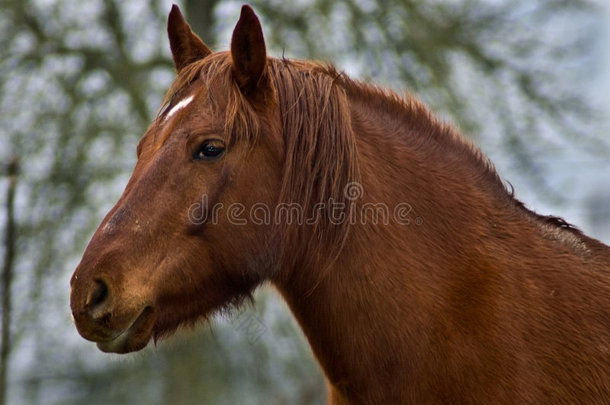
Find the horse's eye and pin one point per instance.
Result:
(209, 150)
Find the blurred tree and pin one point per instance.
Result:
(76, 91)
(79, 82)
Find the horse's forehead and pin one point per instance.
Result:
(179, 105)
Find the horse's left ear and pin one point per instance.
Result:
(185, 45)
(248, 50)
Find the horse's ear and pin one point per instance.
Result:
(185, 45)
(248, 50)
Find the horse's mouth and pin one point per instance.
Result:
(134, 338)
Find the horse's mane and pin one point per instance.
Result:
(320, 156)
(446, 138)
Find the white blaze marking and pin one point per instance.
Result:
(181, 104)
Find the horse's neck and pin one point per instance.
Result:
(403, 296)
(364, 318)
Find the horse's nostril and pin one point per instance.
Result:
(98, 295)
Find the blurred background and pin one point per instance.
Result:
(81, 80)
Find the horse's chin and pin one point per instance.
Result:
(134, 338)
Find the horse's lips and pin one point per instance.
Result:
(134, 338)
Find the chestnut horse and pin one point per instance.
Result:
(415, 275)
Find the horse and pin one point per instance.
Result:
(415, 274)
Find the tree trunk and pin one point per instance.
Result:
(7, 276)
(200, 15)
